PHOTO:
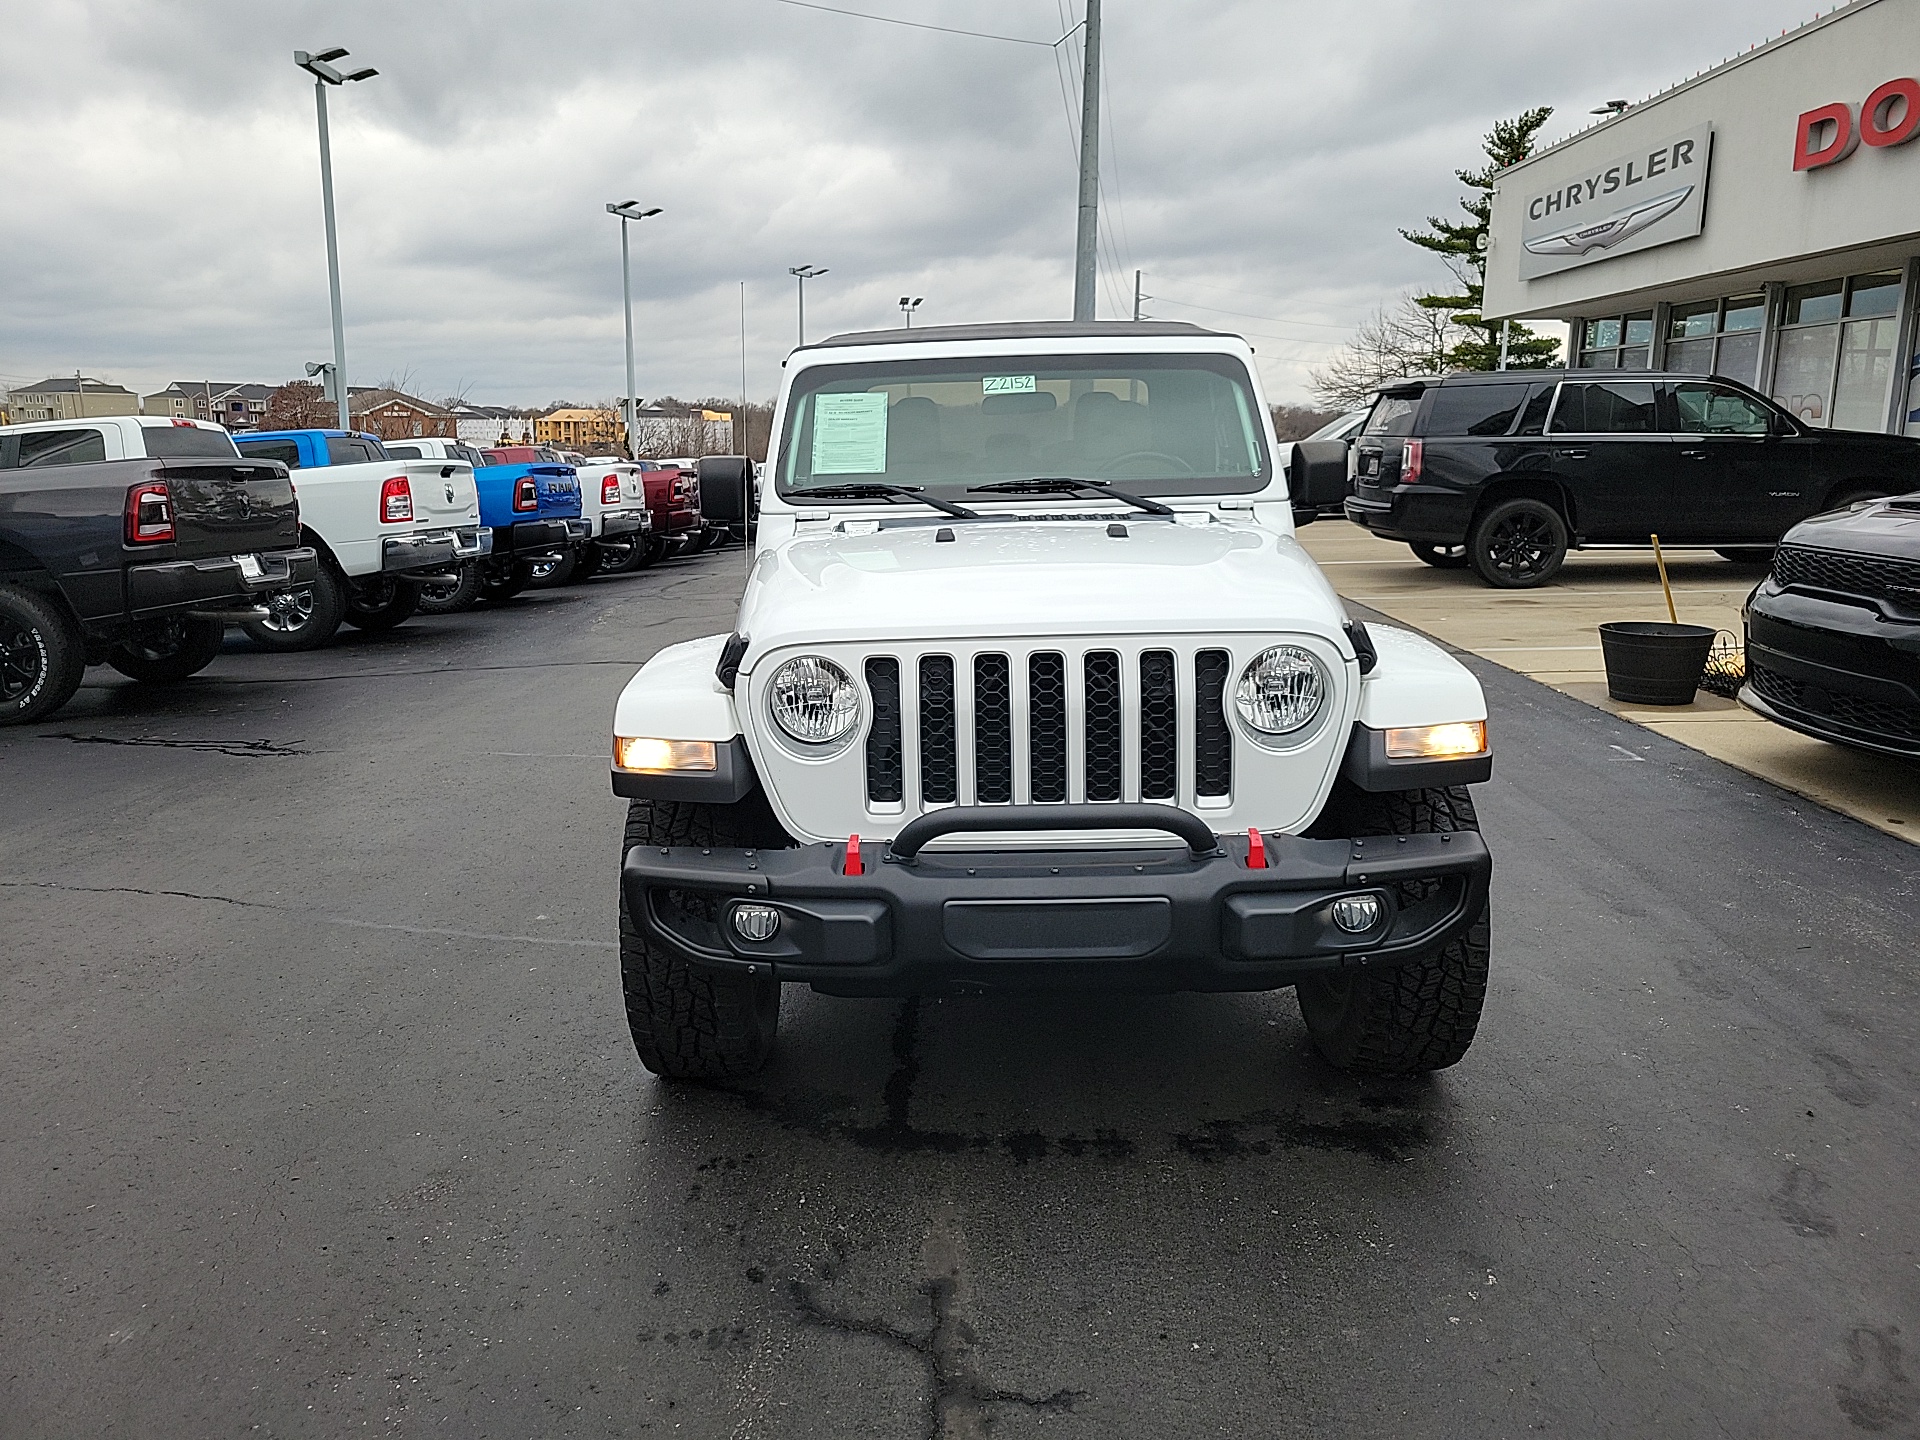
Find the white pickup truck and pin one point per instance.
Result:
(613, 499)
(1032, 687)
(382, 525)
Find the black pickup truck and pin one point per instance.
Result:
(132, 542)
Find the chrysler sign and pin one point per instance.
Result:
(1648, 198)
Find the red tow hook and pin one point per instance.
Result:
(853, 866)
(1256, 851)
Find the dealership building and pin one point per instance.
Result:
(1761, 221)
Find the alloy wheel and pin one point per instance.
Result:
(289, 611)
(1520, 545)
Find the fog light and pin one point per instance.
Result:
(756, 922)
(1355, 914)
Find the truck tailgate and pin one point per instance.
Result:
(443, 493)
(230, 507)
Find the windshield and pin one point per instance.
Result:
(1154, 424)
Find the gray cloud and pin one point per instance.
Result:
(163, 219)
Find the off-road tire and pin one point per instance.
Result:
(1413, 1018)
(382, 603)
(167, 651)
(1747, 554)
(42, 656)
(303, 628)
(1518, 543)
(442, 595)
(690, 1023)
(1441, 557)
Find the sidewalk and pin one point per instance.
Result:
(1551, 635)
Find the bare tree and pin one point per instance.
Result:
(1403, 339)
(300, 405)
(1296, 422)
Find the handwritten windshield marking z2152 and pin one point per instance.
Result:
(1166, 425)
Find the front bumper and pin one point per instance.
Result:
(1839, 671)
(232, 586)
(957, 921)
(434, 549)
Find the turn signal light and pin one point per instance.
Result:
(610, 490)
(640, 752)
(1438, 742)
(396, 501)
(1412, 457)
(526, 494)
(149, 514)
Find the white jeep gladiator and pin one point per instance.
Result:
(1032, 687)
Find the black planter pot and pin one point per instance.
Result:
(1653, 663)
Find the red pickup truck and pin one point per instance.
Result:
(673, 499)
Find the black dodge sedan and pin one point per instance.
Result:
(1833, 633)
(1506, 472)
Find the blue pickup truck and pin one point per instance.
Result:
(531, 500)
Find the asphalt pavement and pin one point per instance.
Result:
(320, 1116)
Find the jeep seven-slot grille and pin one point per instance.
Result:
(1878, 576)
(1039, 721)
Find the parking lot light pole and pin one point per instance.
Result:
(324, 74)
(907, 307)
(629, 210)
(802, 274)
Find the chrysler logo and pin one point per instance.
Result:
(1604, 234)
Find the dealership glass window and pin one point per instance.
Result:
(1835, 365)
(1618, 342)
(1717, 337)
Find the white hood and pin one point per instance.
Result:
(1051, 577)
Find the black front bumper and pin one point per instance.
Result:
(972, 921)
(1839, 670)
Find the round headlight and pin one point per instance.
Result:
(814, 700)
(1281, 690)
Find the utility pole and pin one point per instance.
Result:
(324, 74)
(629, 210)
(1503, 343)
(1137, 296)
(802, 274)
(1087, 237)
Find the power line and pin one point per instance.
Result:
(922, 25)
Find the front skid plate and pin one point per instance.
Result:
(956, 921)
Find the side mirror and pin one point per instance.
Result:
(724, 496)
(1317, 475)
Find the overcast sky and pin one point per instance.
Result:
(162, 213)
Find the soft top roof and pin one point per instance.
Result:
(1018, 330)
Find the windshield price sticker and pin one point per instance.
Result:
(850, 434)
(1007, 385)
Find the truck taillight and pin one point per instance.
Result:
(396, 501)
(610, 490)
(1411, 456)
(149, 514)
(526, 494)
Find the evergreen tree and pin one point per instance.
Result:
(1463, 248)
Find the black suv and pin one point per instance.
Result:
(1506, 471)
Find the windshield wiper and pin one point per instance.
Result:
(880, 490)
(1066, 485)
